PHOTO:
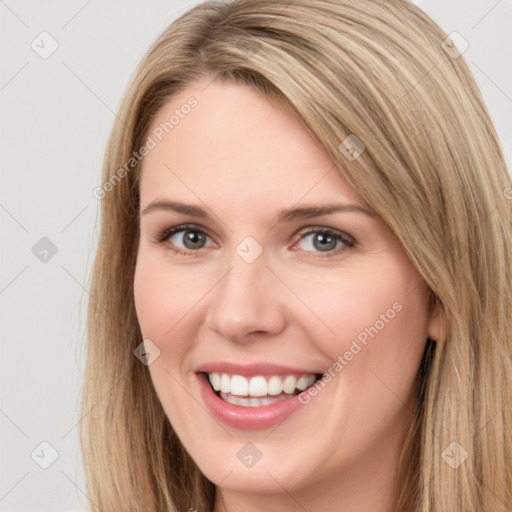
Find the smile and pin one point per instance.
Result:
(259, 390)
(255, 396)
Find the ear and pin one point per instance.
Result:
(437, 322)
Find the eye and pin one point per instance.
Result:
(189, 239)
(326, 240)
(184, 239)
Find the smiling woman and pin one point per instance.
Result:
(301, 296)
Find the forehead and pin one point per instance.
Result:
(236, 144)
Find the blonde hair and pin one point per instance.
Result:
(432, 168)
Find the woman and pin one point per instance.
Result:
(301, 296)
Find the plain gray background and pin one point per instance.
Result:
(56, 116)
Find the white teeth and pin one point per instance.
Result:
(239, 385)
(302, 383)
(258, 386)
(275, 385)
(250, 402)
(289, 384)
(215, 381)
(225, 383)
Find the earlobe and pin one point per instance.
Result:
(437, 327)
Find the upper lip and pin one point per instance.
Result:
(252, 369)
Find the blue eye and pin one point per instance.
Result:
(325, 240)
(191, 238)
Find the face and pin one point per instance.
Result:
(259, 268)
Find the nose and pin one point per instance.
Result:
(247, 303)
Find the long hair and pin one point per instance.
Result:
(383, 74)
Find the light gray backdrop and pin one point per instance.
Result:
(65, 65)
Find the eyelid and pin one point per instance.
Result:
(324, 229)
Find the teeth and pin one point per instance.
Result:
(241, 386)
(259, 386)
(250, 402)
(214, 380)
(289, 384)
(275, 385)
(225, 383)
(303, 383)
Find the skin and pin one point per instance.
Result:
(243, 158)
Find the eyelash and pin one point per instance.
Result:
(346, 239)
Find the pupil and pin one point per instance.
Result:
(326, 242)
(193, 240)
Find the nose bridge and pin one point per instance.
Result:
(246, 300)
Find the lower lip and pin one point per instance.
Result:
(247, 418)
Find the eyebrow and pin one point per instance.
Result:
(285, 215)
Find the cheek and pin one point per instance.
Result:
(377, 316)
(163, 297)
(164, 302)
(152, 302)
(372, 327)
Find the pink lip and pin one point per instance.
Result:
(247, 418)
(253, 369)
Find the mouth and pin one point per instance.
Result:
(256, 395)
(258, 390)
